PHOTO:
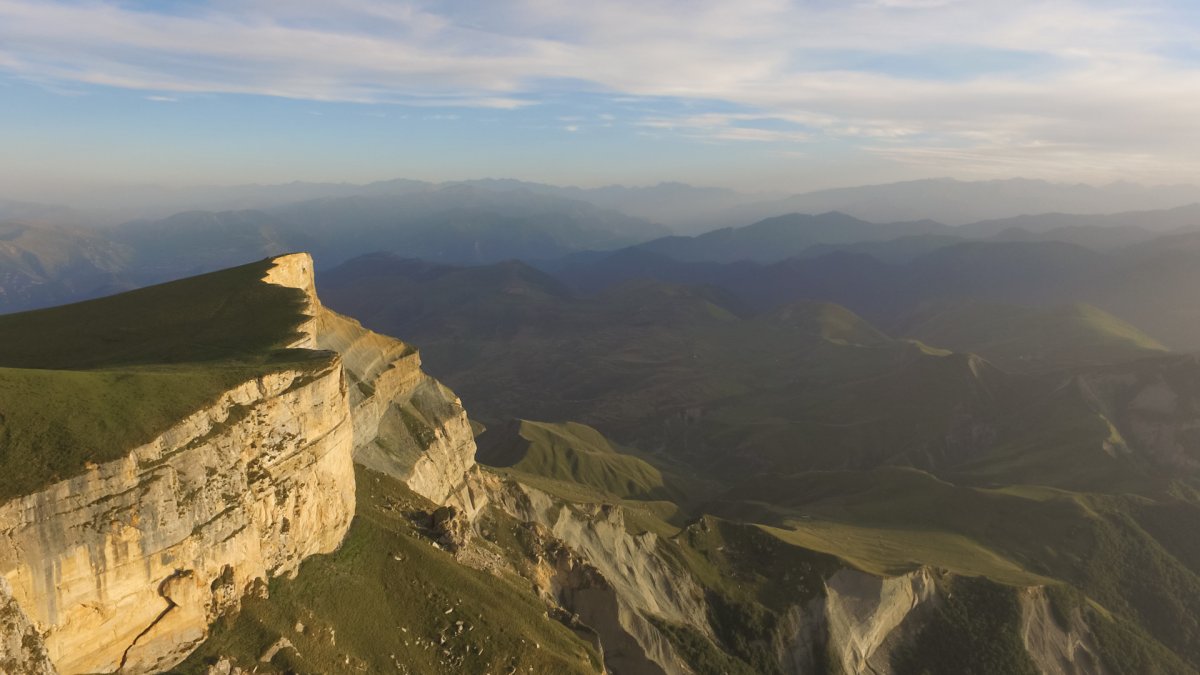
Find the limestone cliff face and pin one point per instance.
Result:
(22, 649)
(406, 424)
(125, 566)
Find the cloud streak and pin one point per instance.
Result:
(1055, 83)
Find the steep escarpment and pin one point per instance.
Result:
(406, 424)
(125, 564)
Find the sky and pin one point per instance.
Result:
(753, 94)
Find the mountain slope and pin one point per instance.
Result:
(957, 202)
(1025, 338)
(42, 265)
(572, 453)
(784, 237)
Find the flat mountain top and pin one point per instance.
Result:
(88, 382)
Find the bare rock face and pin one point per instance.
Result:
(406, 424)
(124, 567)
(614, 581)
(21, 647)
(865, 613)
(1055, 648)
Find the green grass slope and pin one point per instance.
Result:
(90, 381)
(388, 601)
(1027, 337)
(576, 453)
(829, 322)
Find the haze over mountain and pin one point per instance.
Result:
(686, 209)
(959, 202)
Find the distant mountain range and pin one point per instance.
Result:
(880, 269)
(960, 202)
(1150, 284)
(686, 209)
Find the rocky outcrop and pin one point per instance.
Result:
(862, 620)
(855, 625)
(406, 424)
(21, 647)
(1055, 648)
(124, 567)
(614, 581)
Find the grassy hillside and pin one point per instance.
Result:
(575, 453)
(1027, 337)
(90, 381)
(783, 237)
(829, 322)
(390, 601)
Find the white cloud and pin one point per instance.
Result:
(1095, 86)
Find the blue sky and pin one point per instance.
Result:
(752, 94)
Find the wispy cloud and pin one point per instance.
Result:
(1052, 83)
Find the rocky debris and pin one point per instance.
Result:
(224, 667)
(278, 646)
(450, 527)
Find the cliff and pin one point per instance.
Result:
(406, 424)
(125, 566)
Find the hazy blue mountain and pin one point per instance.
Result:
(683, 207)
(13, 210)
(958, 202)
(461, 224)
(42, 265)
(194, 242)
(1157, 220)
(785, 237)
(686, 209)
(898, 250)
